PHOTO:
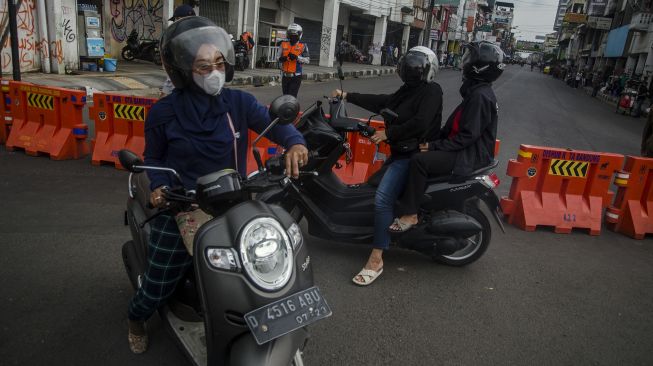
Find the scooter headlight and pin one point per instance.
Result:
(266, 253)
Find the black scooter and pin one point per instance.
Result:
(453, 229)
(146, 50)
(250, 293)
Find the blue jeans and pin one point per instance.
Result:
(391, 186)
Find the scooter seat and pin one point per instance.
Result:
(449, 178)
(345, 124)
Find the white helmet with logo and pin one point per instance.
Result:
(418, 65)
(295, 29)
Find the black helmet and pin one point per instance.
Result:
(482, 61)
(418, 65)
(180, 43)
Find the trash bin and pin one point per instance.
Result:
(110, 64)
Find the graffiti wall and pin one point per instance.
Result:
(60, 49)
(123, 16)
(67, 35)
(29, 44)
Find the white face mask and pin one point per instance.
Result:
(211, 83)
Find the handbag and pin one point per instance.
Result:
(189, 223)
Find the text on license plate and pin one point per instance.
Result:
(288, 314)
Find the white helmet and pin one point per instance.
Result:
(418, 65)
(295, 28)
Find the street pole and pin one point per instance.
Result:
(13, 26)
(427, 27)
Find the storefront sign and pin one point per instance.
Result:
(599, 22)
(575, 18)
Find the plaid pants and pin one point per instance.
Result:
(167, 263)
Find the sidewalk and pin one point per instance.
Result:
(144, 78)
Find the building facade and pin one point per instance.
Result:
(64, 35)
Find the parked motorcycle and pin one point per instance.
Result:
(453, 229)
(242, 58)
(359, 58)
(250, 293)
(146, 50)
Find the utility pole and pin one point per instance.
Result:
(427, 27)
(13, 27)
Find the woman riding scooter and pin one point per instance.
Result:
(466, 142)
(198, 129)
(418, 104)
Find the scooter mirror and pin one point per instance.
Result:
(284, 108)
(341, 76)
(388, 114)
(129, 160)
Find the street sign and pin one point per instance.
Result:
(599, 22)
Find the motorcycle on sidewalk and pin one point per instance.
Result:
(453, 230)
(145, 50)
(250, 294)
(242, 59)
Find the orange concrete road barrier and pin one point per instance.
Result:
(5, 115)
(364, 158)
(47, 120)
(562, 188)
(632, 211)
(119, 124)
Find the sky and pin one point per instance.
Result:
(533, 17)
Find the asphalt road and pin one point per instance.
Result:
(534, 299)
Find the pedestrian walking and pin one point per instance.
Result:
(293, 55)
(391, 58)
(596, 83)
(579, 77)
(642, 93)
(647, 138)
(342, 50)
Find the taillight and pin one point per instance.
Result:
(491, 180)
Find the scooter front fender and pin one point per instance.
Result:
(278, 352)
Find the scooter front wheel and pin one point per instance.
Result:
(476, 245)
(127, 54)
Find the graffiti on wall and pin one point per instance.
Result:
(145, 16)
(68, 31)
(29, 46)
(325, 41)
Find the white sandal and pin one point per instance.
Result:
(368, 276)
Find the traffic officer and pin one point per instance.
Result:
(293, 54)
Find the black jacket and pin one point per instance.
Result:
(419, 111)
(477, 129)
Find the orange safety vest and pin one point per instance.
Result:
(246, 37)
(290, 66)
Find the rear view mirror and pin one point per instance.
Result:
(341, 76)
(388, 114)
(129, 160)
(285, 108)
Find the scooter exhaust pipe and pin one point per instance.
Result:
(445, 234)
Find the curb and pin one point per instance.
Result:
(310, 76)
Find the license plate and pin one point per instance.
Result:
(283, 316)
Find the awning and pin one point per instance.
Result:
(616, 42)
